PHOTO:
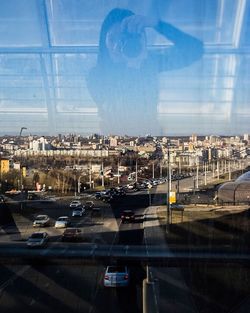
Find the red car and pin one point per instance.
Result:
(72, 234)
(127, 216)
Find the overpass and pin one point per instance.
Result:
(84, 253)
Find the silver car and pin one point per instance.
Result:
(41, 221)
(79, 211)
(116, 276)
(75, 203)
(62, 222)
(39, 239)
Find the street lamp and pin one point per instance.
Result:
(79, 182)
(169, 189)
(111, 181)
(75, 171)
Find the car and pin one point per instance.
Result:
(177, 207)
(89, 204)
(75, 204)
(127, 216)
(96, 211)
(78, 211)
(72, 234)
(62, 222)
(38, 239)
(98, 195)
(106, 198)
(116, 276)
(130, 186)
(41, 221)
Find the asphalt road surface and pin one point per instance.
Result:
(78, 288)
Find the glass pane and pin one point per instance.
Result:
(20, 23)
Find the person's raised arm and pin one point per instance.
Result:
(185, 50)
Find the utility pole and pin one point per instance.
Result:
(75, 182)
(102, 171)
(79, 184)
(136, 171)
(178, 179)
(197, 173)
(179, 164)
(205, 173)
(160, 169)
(118, 172)
(168, 191)
(0, 172)
(218, 169)
(153, 170)
(229, 170)
(90, 176)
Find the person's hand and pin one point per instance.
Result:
(137, 23)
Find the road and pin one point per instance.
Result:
(79, 288)
(68, 288)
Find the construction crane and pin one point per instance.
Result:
(22, 130)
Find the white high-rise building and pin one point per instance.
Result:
(40, 144)
(246, 137)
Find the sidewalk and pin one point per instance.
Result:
(172, 294)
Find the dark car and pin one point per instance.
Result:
(72, 234)
(106, 198)
(127, 216)
(89, 205)
(176, 207)
(96, 211)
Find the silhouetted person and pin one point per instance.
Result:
(124, 83)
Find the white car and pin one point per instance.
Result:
(130, 187)
(116, 276)
(78, 211)
(62, 222)
(75, 204)
(41, 221)
(39, 239)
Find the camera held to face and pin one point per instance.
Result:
(132, 44)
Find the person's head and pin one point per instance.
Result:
(117, 45)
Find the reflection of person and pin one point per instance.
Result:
(124, 82)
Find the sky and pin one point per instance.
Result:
(49, 48)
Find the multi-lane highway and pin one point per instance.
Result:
(79, 287)
(73, 288)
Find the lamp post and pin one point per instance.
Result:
(136, 171)
(168, 191)
(90, 175)
(197, 172)
(79, 184)
(102, 173)
(0, 172)
(118, 172)
(75, 171)
(205, 167)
